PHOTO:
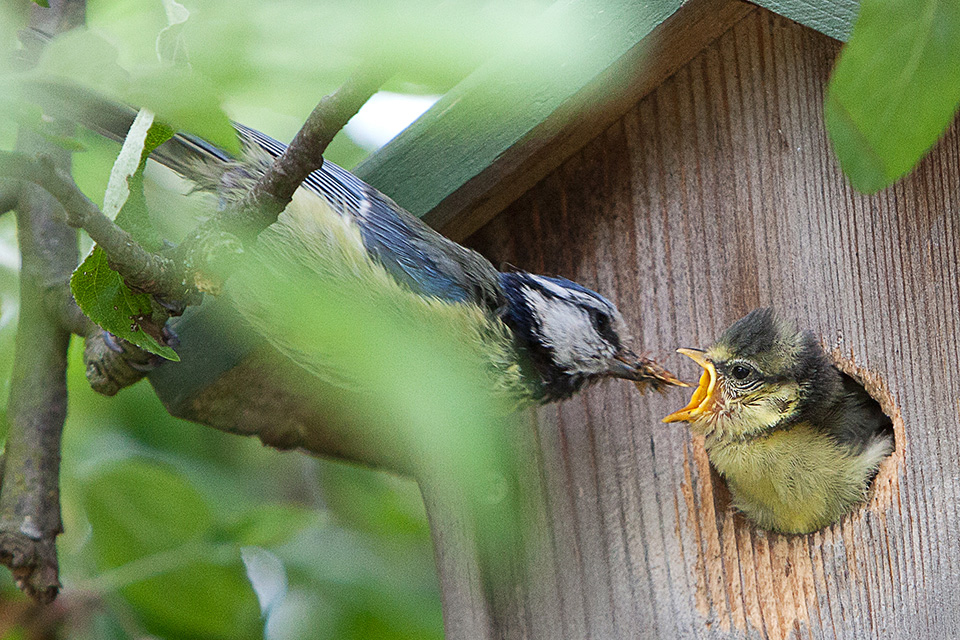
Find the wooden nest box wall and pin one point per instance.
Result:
(714, 193)
(688, 177)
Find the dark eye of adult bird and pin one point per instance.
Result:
(601, 322)
(546, 337)
(797, 441)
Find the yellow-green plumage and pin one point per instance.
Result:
(314, 252)
(796, 440)
(344, 255)
(795, 480)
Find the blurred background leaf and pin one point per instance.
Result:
(156, 545)
(179, 97)
(894, 89)
(156, 510)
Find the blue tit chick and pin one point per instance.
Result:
(797, 441)
(544, 338)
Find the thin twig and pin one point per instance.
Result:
(275, 188)
(141, 269)
(9, 195)
(30, 490)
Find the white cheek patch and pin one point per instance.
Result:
(568, 330)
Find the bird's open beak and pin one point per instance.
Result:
(703, 397)
(643, 372)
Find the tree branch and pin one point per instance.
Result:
(208, 254)
(9, 195)
(141, 269)
(206, 257)
(111, 364)
(275, 188)
(30, 491)
(29, 496)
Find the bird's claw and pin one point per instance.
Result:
(137, 359)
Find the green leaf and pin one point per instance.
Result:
(99, 290)
(83, 57)
(894, 89)
(153, 533)
(268, 525)
(31, 117)
(133, 215)
(42, 3)
(171, 48)
(186, 102)
(139, 507)
(104, 298)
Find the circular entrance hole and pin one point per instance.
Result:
(886, 484)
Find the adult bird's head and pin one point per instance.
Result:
(572, 336)
(761, 373)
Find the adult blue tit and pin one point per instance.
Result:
(544, 338)
(797, 441)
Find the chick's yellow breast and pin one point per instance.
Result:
(795, 480)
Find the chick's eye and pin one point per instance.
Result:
(740, 372)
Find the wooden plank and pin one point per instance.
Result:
(716, 194)
(479, 148)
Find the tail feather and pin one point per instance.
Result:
(112, 119)
(414, 254)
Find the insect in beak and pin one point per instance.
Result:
(643, 372)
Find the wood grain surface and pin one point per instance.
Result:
(477, 150)
(716, 194)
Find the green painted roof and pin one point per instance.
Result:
(834, 18)
(436, 168)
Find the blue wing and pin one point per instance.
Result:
(413, 253)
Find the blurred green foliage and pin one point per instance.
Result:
(179, 531)
(895, 88)
(156, 513)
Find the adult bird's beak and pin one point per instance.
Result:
(643, 372)
(703, 397)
